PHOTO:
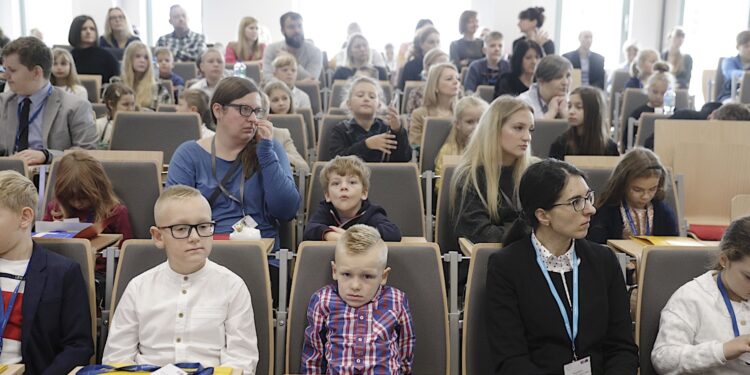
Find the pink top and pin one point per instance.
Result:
(230, 57)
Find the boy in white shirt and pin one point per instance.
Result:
(285, 70)
(187, 309)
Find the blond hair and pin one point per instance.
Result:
(458, 112)
(283, 60)
(344, 166)
(360, 239)
(108, 27)
(430, 100)
(174, 193)
(144, 85)
(240, 48)
(349, 91)
(72, 78)
(275, 84)
(17, 192)
(640, 59)
(483, 157)
(661, 74)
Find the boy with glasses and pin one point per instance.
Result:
(187, 309)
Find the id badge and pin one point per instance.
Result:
(246, 221)
(579, 367)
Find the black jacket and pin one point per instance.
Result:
(472, 220)
(559, 148)
(607, 223)
(509, 84)
(526, 331)
(56, 327)
(597, 76)
(369, 214)
(348, 138)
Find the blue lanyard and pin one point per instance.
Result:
(103, 369)
(572, 333)
(33, 116)
(631, 222)
(725, 296)
(6, 311)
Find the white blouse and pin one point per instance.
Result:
(165, 317)
(693, 328)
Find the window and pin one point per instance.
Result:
(160, 17)
(710, 33)
(381, 24)
(53, 21)
(579, 15)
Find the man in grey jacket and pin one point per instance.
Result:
(37, 120)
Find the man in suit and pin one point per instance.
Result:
(48, 327)
(590, 63)
(38, 121)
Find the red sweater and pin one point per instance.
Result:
(117, 223)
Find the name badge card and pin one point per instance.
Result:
(580, 367)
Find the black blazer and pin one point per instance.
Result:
(607, 223)
(597, 76)
(56, 327)
(527, 334)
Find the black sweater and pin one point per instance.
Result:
(472, 220)
(509, 84)
(526, 331)
(348, 138)
(559, 148)
(369, 214)
(607, 223)
(96, 60)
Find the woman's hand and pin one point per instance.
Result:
(264, 130)
(558, 108)
(736, 347)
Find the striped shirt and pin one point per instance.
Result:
(11, 352)
(376, 338)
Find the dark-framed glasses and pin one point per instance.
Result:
(247, 111)
(181, 231)
(579, 203)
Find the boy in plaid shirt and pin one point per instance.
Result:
(359, 325)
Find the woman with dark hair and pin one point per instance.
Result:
(587, 135)
(242, 171)
(425, 39)
(632, 203)
(526, 54)
(468, 48)
(89, 57)
(556, 302)
(530, 22)
(549, 94)
(699, 330)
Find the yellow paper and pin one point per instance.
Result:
(667, 241)
(3, 368)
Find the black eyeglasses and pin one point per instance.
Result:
(578, 203)
(181, 231)
(247, 111)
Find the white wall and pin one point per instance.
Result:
(220, 23)
(645, 22)
(503, 16)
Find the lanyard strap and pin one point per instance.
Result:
(241, 200)
(725, 296)
(103, 369)
(572, 333)
(6, 311)
(33, 115)
(631, 222)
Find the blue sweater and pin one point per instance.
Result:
(730, 67)
(270, 194)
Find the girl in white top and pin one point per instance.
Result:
(117, 97)
(64, 74)
(705, 326)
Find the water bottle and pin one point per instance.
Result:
(239, 69)
(670, 97)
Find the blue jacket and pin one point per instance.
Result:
(480, 74)
(607, 223)
(730, 66)
(369, 214)
(56, 327)
(270, 195)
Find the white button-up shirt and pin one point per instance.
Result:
(693, 328)
(165, 317)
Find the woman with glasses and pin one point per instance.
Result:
(632, 203)
(556, 303)
(242, 171)
(117, 31)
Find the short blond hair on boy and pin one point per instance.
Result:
(163, 51)
(360, 239)
(174, 193)
(17, 191)
(343, 166)
(283, 60)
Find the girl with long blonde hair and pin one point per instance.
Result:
(440, 95)
(248, 46)
(138, 74)
(64, 74)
